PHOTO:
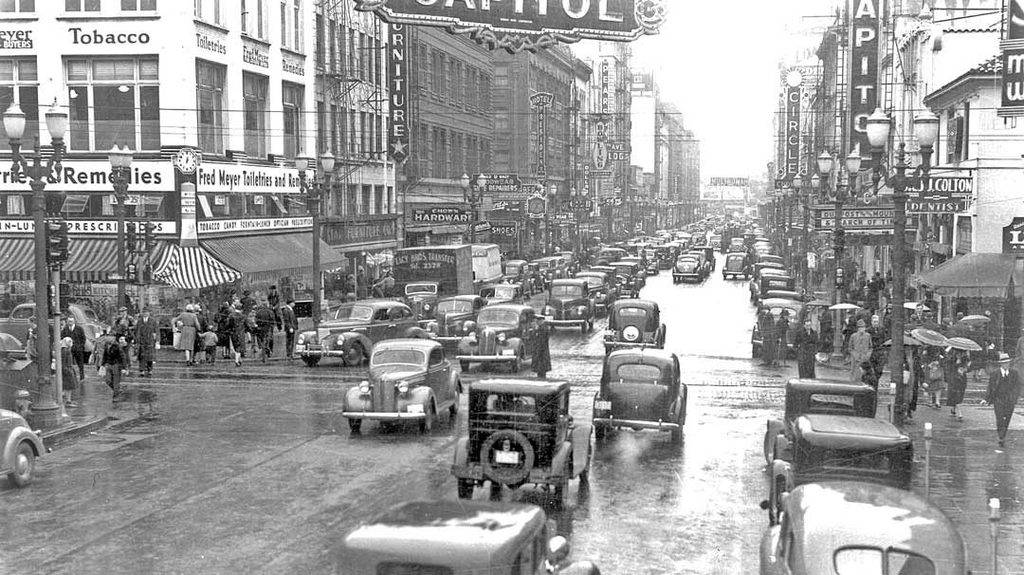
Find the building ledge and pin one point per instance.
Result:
(106, 17)
(211, 25)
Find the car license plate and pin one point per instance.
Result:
(506, 457)
(602, 405)
(415, 408)
(508, 352)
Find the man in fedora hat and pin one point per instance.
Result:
(860, 350)
(1003, 392)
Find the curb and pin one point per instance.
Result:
(74, 430)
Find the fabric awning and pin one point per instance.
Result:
(89, 259)
(192, 268)
(973, 275)
(16, 259)
(269, 257)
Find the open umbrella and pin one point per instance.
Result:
(964, 344)
(914, 304)
(930, 337)
(973, 320)
(844, 306)
(907, 340)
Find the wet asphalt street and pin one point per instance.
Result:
(253, 470)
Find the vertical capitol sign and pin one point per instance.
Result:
(865, 16)
(1012, 48)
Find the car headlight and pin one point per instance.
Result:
(403, 387)
(549, 310)
(364, 387)
(502, 338)
(302, 339)
(426, 307)
(581, 310)
(341, 340)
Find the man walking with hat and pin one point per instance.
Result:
(1004, 389)
(860, 350)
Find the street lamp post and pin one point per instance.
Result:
(45, 410)
(815, 185)
(314, 198)
(791, 198)
(926, 129)
(120, 174)
(473, 194)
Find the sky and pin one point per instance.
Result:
(718, 61)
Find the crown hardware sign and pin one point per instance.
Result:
(517, 25)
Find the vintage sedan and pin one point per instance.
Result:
(21, 446)
(456, 538)
(635, 275)
(709, 255)
(570, 304)
(603, 286)
(504, 335)
(455, 318)
(503, 293)
(355, 328)
(516, 271)
(609, 255)
(768, 280)
(735, 266)
(422, 297)
(689, 268)
(854, 528)
(775, 307)
(634, 323)
(410, 380)
(641, 389)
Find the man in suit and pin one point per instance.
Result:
(806, 342)
(1004, 389)
(290, 325)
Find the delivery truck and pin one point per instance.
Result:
(426, 274)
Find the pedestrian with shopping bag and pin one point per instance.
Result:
(1004, 389)
(188, 324)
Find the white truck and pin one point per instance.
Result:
(486, 265)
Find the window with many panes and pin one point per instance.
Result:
(254, 112)
(19, 84)
(81, 5)
(17, 6)
(113, 101)
(291, 100)
(208, 10)
(210, 103)
(254, 18)
(138, 5)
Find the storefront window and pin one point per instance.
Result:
(125, 97)
(291, 98)
(17, 5)
(19, 84)
(254, 94)
(210, 103)
(15, 204)
(82, 5)
(208, 10)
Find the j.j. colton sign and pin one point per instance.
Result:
(516, 25)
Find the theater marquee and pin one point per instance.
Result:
(530, 24)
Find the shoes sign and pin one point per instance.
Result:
(518, 26)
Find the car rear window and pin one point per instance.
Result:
(398, 356)
(639, 373)
(834, 404)
(632, 312)
(509, 403)
(412, 569)
(873, 561)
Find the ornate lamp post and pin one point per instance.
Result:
(314, 197)
(120, 175)
(45, 408)
(473, 194)
(791, 198)
(926, 130)
(807, 197)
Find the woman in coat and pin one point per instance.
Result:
(957, 366)
(222, 326)
(541, 363)
(806, 342)
(236, 329)
(189, 326)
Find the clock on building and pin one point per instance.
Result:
(187, 160)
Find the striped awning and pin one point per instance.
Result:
(16, 262)
(192, 268)
(269, 257)
(89, 259)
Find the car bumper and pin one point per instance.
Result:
(636, 423)
(476, 472)
(383, 416)
(487, 358)
(321, 353)
(565, 322)
(686, 276)
(448, 339)
(612, 345)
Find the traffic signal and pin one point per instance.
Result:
(130, 238)
(131, 273)
(149, 236)
(56, 240)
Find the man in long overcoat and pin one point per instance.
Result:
(1004, 389)
(290, 325)
(806, 342)
(77, 335)
(147, 334)
(766, 325)
(541, 362)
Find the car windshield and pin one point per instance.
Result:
(498, 317)
(510, 403)
(354, 312)
(566, 291)
(504, 292)
(454, 306)
(874, 561)
(638, 373)
(412, 569)
(398, 356)
(429, 289)
(513, 269)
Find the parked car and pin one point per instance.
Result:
(849, 527)
(709, 254)
(422, 298)
(354, 330)
(634, 275)
(634, 323)
(838, 447)
(410, 380)
(459, 537)
(455, 318)
(735, 266)
(770, 280)
(689, 268)
(503, 293)
(21, 447)
(602, 286)
(520, 432)
(775, 306)
(504, 335)
(641, 389)
(570, 304)
(18, 322)
(516, 271)
(810, 396)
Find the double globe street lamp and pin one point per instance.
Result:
(826, 164)
(314, 198)
(120, 175)
(45, 411)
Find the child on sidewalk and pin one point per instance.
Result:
(210, 345)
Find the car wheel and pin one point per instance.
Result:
(311, 361)
(464, 366)
(23, 465)
(769, 448)
(355, 425)
(466, 488)
(427, 423)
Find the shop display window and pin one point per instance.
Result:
(113, 101)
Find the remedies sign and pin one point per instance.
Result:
(527, 24)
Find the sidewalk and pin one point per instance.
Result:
(93, 411)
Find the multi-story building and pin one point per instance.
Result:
(124, 70)
(689, 177)
(610, 129)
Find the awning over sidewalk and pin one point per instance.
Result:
(192, 268)
(973, 275)
(16, 259)
(269, 257)
(89, 259)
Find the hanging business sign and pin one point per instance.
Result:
(516, 26)
(1013, 238)
(865, 16)
(536, 206)
(541, 101)
(862, 220)
(504, 186)
(794, 79)
(441, 215)
(940, 195)
(398, 114)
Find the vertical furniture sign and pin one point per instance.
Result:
(865, 16)
(398, 80)
(1012, 47)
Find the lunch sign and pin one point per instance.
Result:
(527, 24)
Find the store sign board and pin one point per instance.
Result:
(16, 40)
(504, 186)
(93, 176)
(915, 206)
(398, 80)
(879, 220)
(242, 178)
(83, 227)
(360, 232)
(214, 227)
(1013, 238)
(504, 229)
(440, 215)
(510, 206)
(792, 131)
(865, 16)
(516, 26)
